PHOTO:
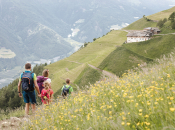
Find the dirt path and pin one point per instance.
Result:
(164, 34)
(106, 73)
(67, 70)
(13, 123)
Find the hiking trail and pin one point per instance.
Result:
(104, 72)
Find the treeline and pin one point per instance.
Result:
(9, 94)
(147, 19)
(171, 18)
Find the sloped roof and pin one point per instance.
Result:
(156, 29)
(139, 34)
(148, 28)
(152, 28)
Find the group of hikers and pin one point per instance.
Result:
(28, 81)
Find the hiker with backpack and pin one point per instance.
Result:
(66, 89)
(40, 81)
(28, 81)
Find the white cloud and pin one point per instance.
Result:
(136, 17)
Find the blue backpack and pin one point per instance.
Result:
(27, 82)
(65, 91)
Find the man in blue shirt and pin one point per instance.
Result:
(28, 81)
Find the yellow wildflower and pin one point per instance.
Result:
(123, 123)
(172, 109)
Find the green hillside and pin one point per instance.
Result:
(94, 53)
(143, 23)
(161, 15)
(108, 54)
(129, 56)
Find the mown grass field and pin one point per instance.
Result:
(143, 23)
(94, 54)
(163, 14)
(129, 55)
(141, 100)
(140, 25)
(88, 76)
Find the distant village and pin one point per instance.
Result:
(144, 35)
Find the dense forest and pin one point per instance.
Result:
(9, 94)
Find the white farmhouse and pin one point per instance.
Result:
(139, 36)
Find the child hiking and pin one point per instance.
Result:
(45, 93)
(29, 83)
(66, 89)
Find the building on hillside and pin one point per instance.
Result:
(139, 36)
(152, 29)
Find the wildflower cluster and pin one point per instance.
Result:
(139, 100)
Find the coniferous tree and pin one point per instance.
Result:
(160, 23)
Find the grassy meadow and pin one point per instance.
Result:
(161, 15)
(143, 23)
(140, 25)
(142, 100)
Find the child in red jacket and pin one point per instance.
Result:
(45, 93)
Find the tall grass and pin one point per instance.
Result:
(139, 100)
(19, 112)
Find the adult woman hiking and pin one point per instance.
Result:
(41, 79)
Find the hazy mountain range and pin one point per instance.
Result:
(44, 29)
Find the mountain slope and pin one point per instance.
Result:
(143, 23)
(128, 56)
(108, 54)
(93, 53)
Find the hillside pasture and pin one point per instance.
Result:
(130, 55)
(162, 14)
(140, 25)
(94, 53)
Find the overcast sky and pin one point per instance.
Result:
(138, 2)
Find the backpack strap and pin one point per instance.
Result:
(32, 75)
(69, 87)
(64, 86)
(22, 74)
